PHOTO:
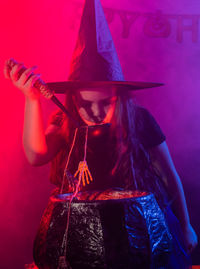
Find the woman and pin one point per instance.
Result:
(133, 145)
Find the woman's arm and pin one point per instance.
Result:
(39, 146)
(162, 160)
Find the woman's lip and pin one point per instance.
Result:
(100, 122)
(96, 119)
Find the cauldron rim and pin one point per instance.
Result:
(63, 198)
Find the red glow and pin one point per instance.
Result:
(97, 132)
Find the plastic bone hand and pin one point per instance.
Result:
(84, 172)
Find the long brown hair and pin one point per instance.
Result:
(133, 161)
(67, 129)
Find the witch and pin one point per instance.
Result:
(113, 150)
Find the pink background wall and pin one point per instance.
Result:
(156, 41)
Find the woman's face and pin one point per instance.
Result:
(95, 106)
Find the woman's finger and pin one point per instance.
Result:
(192, 246)
(28, 88)
(8, 66)
(189, 248)
(6, 70)
(28, 73)
(14, 73)
(30, 82)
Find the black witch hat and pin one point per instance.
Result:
(95, 62)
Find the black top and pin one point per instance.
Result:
(147, 129)
(101, 156)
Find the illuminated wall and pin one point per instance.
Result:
(157, 41)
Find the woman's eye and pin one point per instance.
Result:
(106, 102)
(85, 104)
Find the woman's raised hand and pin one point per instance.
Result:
(23, 78)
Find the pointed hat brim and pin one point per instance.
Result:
(64, 86)
(95, 63)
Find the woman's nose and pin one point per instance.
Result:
(96, 110)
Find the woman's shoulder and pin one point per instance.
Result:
(148, 130)
(141, 111)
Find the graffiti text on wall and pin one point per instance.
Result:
(154, 25)
(157, 24)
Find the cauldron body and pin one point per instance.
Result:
(114, 233)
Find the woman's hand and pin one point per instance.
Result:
(190, 238)
(23, 79)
